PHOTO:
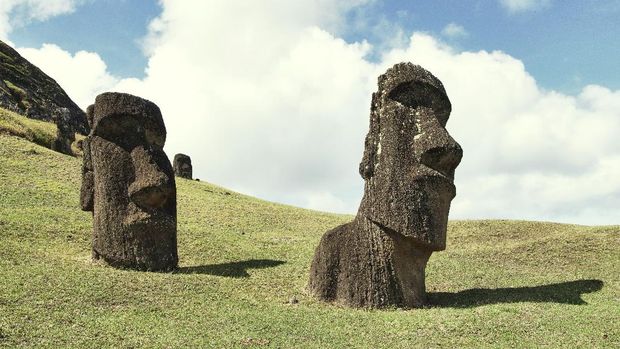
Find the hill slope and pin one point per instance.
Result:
(27, 90)
(499, 283)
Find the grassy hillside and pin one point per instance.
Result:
(40, 132)
(499, 283)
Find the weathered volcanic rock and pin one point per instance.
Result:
(408, 166)
(65, 135)
(129, 184)
(88, 180)
(182, 165)
(26, 90)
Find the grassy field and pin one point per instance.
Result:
(498, 284)
(40, 132)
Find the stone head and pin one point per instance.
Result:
(133, 189)
(182, 165)
(409, 157)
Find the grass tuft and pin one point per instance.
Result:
(40, 132)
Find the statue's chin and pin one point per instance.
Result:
(424, 222)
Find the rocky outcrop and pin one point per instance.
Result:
(27, 90)
(379, 259)
(65, 135)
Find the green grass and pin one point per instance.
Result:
(16, 89)
(40, 132)
(498, 284)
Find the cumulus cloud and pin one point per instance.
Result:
(529, 153)
(454, 31)
(516, 6)
(14, 13)
(278, 107)
(270, 101)
(256, 106)
(82, 75)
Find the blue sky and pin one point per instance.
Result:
(564, 44)
(112, 28)
(271, 97)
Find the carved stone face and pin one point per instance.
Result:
(410, 158)
(134, 193)
(182, 165)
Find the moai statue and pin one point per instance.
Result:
(88, 180)
(65, 135)
(128, 184)
(182, 165)
(378, 259)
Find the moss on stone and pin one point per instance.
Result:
(16, 90)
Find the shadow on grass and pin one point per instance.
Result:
(565, 293)
(231, 269)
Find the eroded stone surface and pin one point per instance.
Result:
(65, 135)
(128, 184)
(182, 165)
(408, 166)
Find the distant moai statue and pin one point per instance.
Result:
(88, 179)
(128, 184)
(65, 135)
(379, 258)
(182, 165)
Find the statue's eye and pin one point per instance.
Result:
(413, 94)
(123, 130)
(416, 94)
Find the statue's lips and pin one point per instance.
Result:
(437, 181)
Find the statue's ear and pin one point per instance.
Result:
(87, 191)
(371, 145)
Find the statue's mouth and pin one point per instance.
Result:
(437, 181)
(149, 219)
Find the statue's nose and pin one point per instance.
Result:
(441, 152)
(153, 185)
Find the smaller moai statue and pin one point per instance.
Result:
(65, 135)
(182, 165)
(88, 179)
(128, 184)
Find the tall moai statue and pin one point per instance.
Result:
(128, 184)
(379, 258)
(182, 165)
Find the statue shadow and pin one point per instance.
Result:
(230, 269)
(569, 292)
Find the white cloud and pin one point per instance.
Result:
(326, 201)
(278, 108)
(270, 103)
(15, 13)
(82, 75)
(454, 31)
(515, 6)
(275, 107)
(529, 153)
